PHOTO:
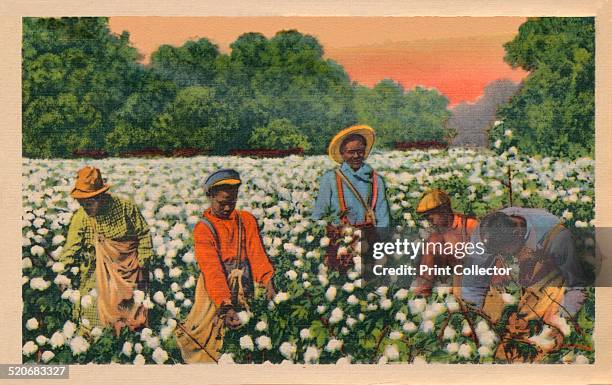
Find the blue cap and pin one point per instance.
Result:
(226, 176)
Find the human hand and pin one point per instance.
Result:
(270, 291)
(232, 320)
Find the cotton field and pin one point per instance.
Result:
(317, 316)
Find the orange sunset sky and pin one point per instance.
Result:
(456, 55)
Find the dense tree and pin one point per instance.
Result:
(402, 116)
(557, 100)
(76, 75)
(279, 134)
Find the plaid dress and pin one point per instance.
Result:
(119, 220)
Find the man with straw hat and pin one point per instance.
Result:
(109, 241)
(353, 194)
(231, 257)
(448, 227)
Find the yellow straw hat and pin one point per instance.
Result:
(334, 146)
(431, 200)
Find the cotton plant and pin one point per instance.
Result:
(317, 315)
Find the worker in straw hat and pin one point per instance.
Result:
(448, 227)
(109, 242)
(353, 193)
(231, 257)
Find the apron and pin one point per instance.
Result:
(117, 275)
(200, 336)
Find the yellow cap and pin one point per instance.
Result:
(334, 146)
(431, 200)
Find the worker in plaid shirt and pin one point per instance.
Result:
(109, 241)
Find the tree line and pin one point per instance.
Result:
(85, 89)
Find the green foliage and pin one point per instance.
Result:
(402, 116)
(557, 100)
(76, 75)
(279, 134)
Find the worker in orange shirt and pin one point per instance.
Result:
(231, 257)
(448, 226)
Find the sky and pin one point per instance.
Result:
(458, 56)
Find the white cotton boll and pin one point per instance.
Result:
(47, 356)
(32, 324)
(263, 343)
(324, 242)
(350, 322)
(38, 222)
(344, 361)
(395, 335)
(246, 343)
(465, 351)
(382, 291)
(138, 296)
(139, 360)
(61, 279)
(160, 356)
(449, 333)
(305, 334)
(174, 287)
(145, 334)
(361, 316)
(484, 351)
(127, 349)
(26, 263)
(561, 324)
(383, 360)
(348, 287)
(281, 297)
(179, 296)
(391, 352)
(292, 275)
(451, 304)
(159, 274)
(226, 359)
(309, 239)
(190, 282)
(85, 322)
(401, 294)
(244, 317)
(466, 330)
(78, 345)
(399, 316)
(581, 360)
(323, 280)
(24, 280)
(544, 339)
(307, 284)
(508, 298)
(288, 350)
(372, 307)
(452, 348)
(40, 284)
(386, 304)
(86, 301)
(188, 257)
(352, 300)
(41, 340)
(344, 331)
(419, 360)
(152, 342)
(138, 347)
(58, 240)
(427, 326)
(330, 294)
(29, 348)
(166, 332)
(57, 340)
(74, 270)
(96, 332)
(321, 309)
(159, 298)
(311, 356)
(417, 305)
(261, 326)
(69, 329)
(175, 272)
(333, 345)
(353, 275)
(336, 316)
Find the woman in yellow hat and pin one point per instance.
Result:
(109, 241)
(354, 194)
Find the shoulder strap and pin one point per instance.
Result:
(374, 195)
(343, 178)
(212, 229)
(551, 235)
